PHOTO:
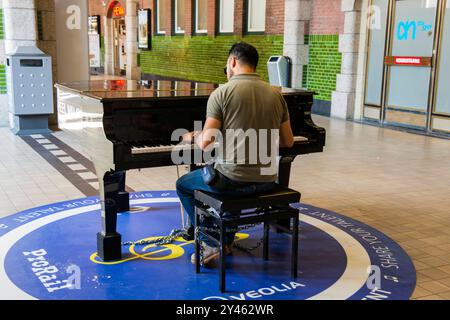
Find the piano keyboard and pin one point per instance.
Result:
(170, 148)
(158, 149)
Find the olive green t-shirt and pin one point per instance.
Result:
(247, 102)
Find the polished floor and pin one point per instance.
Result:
(394, 181)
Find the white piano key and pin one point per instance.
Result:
(300, 139)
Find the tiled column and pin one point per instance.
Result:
(343, 99)
(297, 16)
(133, 72)
(20, 24)
(47, 40)
(20, 29)
(72, 42)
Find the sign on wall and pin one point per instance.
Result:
(94, 25)
(408, 61)
(118, 11)
(94, 51)
(144, 29)
(94, 41)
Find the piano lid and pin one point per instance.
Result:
(109, 90)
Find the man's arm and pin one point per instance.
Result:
(207, 136)
(209, 133)
(286, 135)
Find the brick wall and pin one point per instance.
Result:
(96, 8)
(202, 58)
(327, 22)
(326, 17)
(211, 19)
(275, 17)
(239, 17)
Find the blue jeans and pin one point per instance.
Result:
(192, 181)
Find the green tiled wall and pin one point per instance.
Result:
(324, 64)
(2, 28)
(202, 58)
(102, 51)
(2, 79)
(2, 67)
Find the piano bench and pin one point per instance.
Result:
(268, 208)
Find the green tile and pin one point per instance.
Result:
(2, 32)
(2, 80)
(324, 64)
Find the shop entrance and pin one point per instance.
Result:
(405, 74)
(119, 35)
(120, 54)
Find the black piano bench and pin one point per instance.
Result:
(268, 208)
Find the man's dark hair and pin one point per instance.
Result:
(245, 53)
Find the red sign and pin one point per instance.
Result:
(118, 11)
(408, 61)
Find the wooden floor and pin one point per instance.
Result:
(396, 182)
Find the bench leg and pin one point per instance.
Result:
(222, 258)
(197, 243)
(266, 241)
(295, 247)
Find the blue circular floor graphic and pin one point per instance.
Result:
(50, 253)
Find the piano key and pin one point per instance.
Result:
(300, 139)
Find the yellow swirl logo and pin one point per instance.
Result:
(155, 253)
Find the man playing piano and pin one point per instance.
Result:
(245, 103)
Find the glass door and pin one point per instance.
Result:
(376, 51)
(440, 120)
(409, 63)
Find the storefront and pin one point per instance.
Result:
(108, 37)
(117, 14)
(407, 69)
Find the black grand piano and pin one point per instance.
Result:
(124, 125)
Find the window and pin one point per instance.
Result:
(161, 20)
(201, 9)
(180, 9)
(226, 16)
(256, 16)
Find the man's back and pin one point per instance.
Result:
(247, 104)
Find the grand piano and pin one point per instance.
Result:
(124, 125)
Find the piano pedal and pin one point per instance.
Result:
(189, 235)
(123, 202)
(109, 247)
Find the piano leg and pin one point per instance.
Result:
(123, 201)
(109, 241)
(284, 175)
